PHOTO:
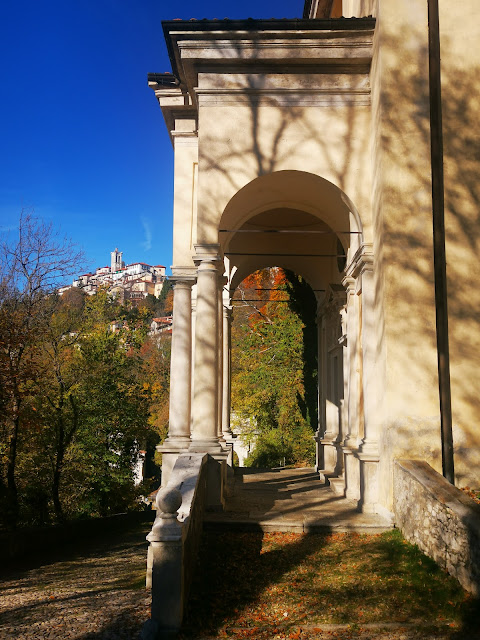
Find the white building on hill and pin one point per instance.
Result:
(131, 282)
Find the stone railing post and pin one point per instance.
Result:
(165, 568)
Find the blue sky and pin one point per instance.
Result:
(83, 142)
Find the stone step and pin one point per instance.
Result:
(337, 485)
(290, 500)
(363, 524)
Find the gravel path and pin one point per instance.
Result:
(95, 593)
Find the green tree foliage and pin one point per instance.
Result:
(155, 354)
(271, 375)
(32, 264)
(114, 411)
(84, 389)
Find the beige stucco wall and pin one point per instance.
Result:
(238, 143)
(404, 224)
(460, 42)
(185, 191)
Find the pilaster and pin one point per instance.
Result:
(362, 269)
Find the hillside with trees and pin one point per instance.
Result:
(84, 385)
(84, 388)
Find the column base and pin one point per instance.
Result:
(216, 481)
(368, 483)
(329, 456)
(229, 439)
(176, 442)
(352, 473)
(170, 453)
(368, 450)
(206, 445)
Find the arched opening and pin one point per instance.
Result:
(305, 225)
(274, 369)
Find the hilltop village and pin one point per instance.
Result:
(132, 282)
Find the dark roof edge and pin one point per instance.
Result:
(163, 79)
(250, 24)
(306, 8)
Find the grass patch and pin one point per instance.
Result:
(265, 581)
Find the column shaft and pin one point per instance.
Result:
(220, 361)
(180, 366)
(205, 386)
(351, 439)
(352, 410)
(227, 359)
(369, 443)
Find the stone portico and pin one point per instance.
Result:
(287, 153)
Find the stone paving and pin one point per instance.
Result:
(95, 592)
(290, 500)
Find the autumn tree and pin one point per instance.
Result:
(269, 399)
(113, 412)
(90, 410)
(82, 387)
(32, 265)
(57, 391)
(155, 354)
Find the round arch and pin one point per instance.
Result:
(297, 191)
(292, 219)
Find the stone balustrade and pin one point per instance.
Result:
(174, 541)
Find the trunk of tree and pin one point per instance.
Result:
(12, 507)
(59, 457)
(57, 505)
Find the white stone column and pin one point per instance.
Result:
(369, 442)
(178, 439)
(322, 377)
(227, 363)
(368, 450)
(351, 372)
(344, 344)
(205, 385)
(333, 356)
(194, 320)
(221, 281)
(180, 364)
(228, 434)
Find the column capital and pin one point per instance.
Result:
(362, 261)
(207, 254)
(228, 313)
(182, 273)
(349, 284)
(182, 282)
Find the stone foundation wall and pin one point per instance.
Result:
(440, 519)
